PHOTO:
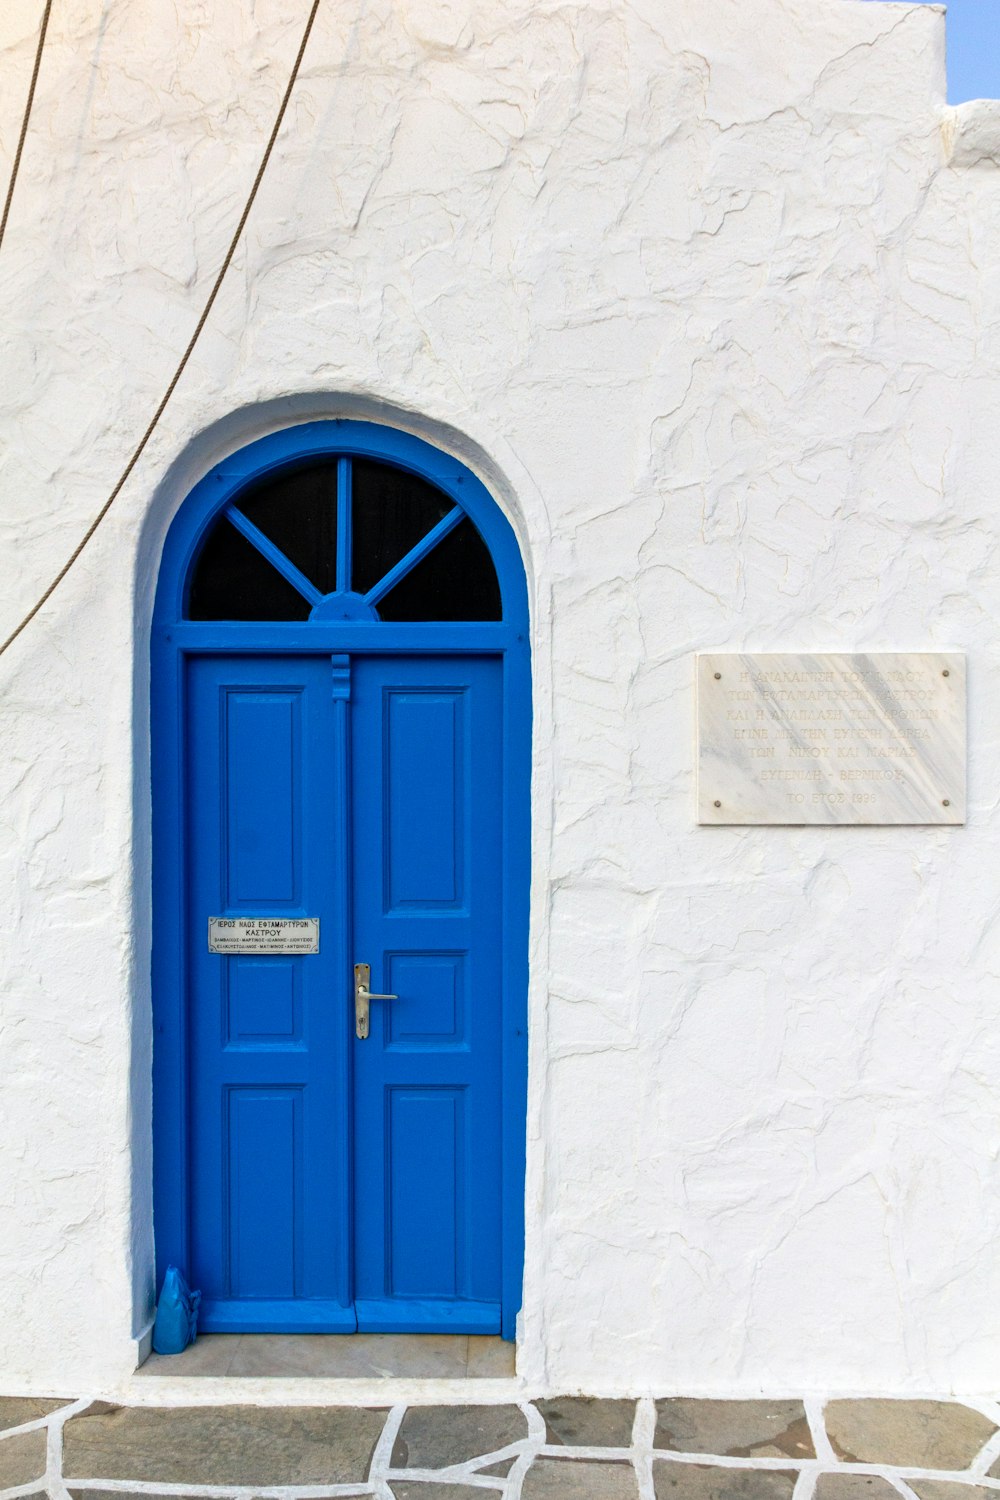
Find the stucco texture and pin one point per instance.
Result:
(699, 291)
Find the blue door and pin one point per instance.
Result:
(341, 1181)
(341, 759)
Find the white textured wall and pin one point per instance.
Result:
(720, 325)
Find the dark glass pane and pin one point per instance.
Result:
(392, 511)
(457, 581)
(298, 513)
(233, 582)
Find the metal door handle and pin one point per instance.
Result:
(362, 995)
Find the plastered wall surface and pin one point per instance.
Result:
(708, 293)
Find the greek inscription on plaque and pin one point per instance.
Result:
(263, 934)
(832, 739)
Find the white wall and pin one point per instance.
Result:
(720, 325)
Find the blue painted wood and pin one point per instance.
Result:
(269, 1190)
(181, 650)
(359, 636)
(428, 866)
(416, 1315)
(344, 529)
(274, 555)
(341, 996)
(258, 1314)
(416, 554)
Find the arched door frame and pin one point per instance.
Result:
(174, 638)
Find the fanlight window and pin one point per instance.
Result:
(344, 539)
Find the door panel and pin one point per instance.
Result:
(427, 905)
(268, 1034)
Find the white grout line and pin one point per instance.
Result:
(990, 1451)
(378, 1469)
(805, 1485)
(900, 1486)
(534, 1441)
(815, 1416)
(725, 1461)
(473, 1465)
(469, 1467)
(37, 1424)
(903, 1471)
(55, 1485)
(643, 1433)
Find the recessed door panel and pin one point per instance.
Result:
(263, 1156)
(425, 1182)
(263, 782)
(265, 1002)
(435, 1009)
(423, 762)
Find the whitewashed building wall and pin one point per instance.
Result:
(708, 293)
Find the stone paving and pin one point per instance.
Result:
(567, 1448)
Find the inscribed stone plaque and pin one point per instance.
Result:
(263, 934)
(832, 739)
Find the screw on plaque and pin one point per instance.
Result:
(718, 676)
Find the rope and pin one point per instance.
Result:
(187, 352)
(27, 117)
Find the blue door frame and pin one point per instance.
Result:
(175, 640)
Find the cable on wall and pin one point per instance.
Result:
(182, 365)
(27, 116)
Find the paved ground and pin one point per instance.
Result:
(562, 1449)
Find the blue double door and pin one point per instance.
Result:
(340, 1183)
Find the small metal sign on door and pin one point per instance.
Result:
(263, 934)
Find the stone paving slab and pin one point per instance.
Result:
(22, 1458)
(857, 1487)
(15, 1410)
(501, 1468)
(680, 1481)
(247, 1445)
(734, 1429)
(917, 1434)
(585, 1422)
(947, 1489)
(414, 1489)
(434, 1437)
(89, 1494)
(579, 1479)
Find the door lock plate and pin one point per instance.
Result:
(362, 979)
(362, 995)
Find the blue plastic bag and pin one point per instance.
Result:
(176, 1323)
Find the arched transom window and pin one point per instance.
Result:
(343, 539)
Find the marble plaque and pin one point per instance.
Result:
(832, 739)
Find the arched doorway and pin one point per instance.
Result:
(341, 756)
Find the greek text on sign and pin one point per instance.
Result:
(263, 934)
(832, 739)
